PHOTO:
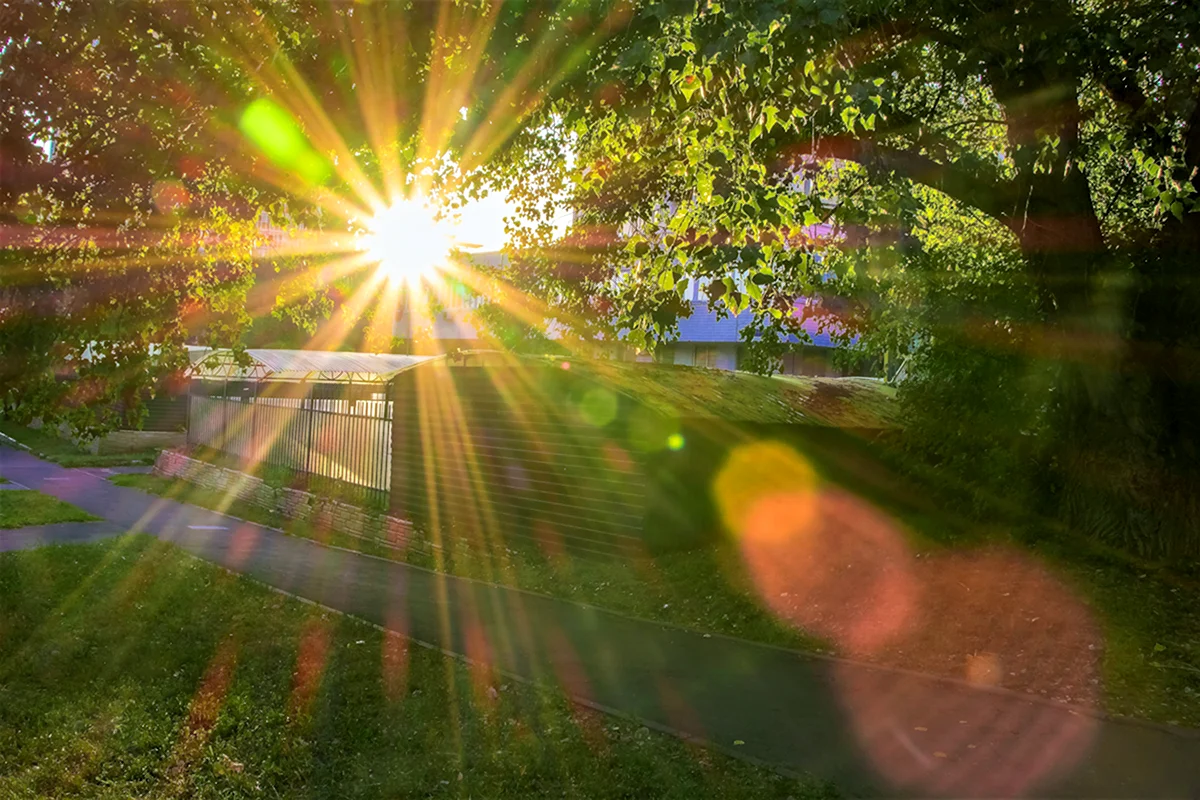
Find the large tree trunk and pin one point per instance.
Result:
(1121, 460)
(1092, 456)
(1163, 369)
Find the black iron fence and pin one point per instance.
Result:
(335, 433)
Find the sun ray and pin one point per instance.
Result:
(279, 79)
(505, 116)
(373, 71)
(333, 335)
(443, 101)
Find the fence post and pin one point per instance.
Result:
(308, 451)
(352, 434)
(187, 413)
(387, 478)
(253, 427)
(224, 416)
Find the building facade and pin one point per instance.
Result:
(706, 339)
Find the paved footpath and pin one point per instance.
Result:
(869, 730)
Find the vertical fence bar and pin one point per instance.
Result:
(351, 470)
(253, 416)
(308, 448)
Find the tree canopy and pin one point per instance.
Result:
(1012, 193)
(141, 142)
(1003, 195)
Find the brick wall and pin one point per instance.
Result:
(326, 515)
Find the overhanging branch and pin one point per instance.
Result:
(989, 196)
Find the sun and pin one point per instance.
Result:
(409, 241)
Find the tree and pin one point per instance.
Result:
(1065, 134)
(139, 144)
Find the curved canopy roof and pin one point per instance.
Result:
(305, 365)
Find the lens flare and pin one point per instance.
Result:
(409, 241)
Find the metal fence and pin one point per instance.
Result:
(345, 439)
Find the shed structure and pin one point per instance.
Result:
(324, 418)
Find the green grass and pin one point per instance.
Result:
(664, 590)
(52, 447)
(130, 669)
(1148, 613)
(695, 392)
(22, 507)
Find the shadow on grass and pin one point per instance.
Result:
(129, 668)
(1147, 647)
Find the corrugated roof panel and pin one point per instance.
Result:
(315, 365)
(297, 363)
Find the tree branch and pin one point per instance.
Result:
(990, 197)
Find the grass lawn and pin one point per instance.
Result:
(22, 507)
(130, 669)
(663, 590)
(697, 392)
(1146, 616)
(53, 447)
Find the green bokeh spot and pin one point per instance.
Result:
(598, 407)
(275, 133)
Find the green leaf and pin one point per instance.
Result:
(769, 114)
(666, 281)
(849, 115)
(689, 85)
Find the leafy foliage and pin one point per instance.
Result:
(1003, 194)
(140, 146)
